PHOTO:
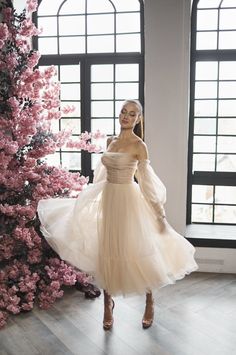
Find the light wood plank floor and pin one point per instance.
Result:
(195, 316)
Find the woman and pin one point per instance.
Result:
(116, 229)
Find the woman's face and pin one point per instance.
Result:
(129, 115)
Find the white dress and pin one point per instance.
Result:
(111, 231)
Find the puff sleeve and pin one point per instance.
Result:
(100, 173)
(151, 186)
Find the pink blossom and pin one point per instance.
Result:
(98, 134)
(28, 28)
(68, 109)
(31, 5)
(2, 43)
(33, 59)
(85, 136)
(50, 72)
(7, 14)
(13, 308)
(3, 31)
(3, 318)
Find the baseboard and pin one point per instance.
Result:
(216, 260)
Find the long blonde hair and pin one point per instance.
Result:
(138, 129)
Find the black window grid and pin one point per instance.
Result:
(213, 178)
(86, 60)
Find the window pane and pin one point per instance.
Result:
(124, 5)
(99, 6)
(47, 45)
(207, 19)
(227, 126)
(71, 161)
(104, 125)
(206, 90)
(70, 73)
(75, 113)
(225, 194)
(202, 193)
(202, 213)
(100, 44)
(128, 43)
(205, 108)
(118, 105)
(95, 158)
(100, 24)
(228, 3)
(102, 108)
(226, 162)
(227, 89)
(70, 91)
(72, 7)
(53, 159)
(72, 45)
(117, 126)
(102, 72)
(207, 70)
(225, 214)
(226, 145)
(127, 72)
(227, 40)
(101, 142)
(54, 126)
(205, 126)
(228, 19)
(204, 144)
(206, 40)
(128, 22)
(208, 3)
(71, 25)
(128, 90)
(227, 107)
(227, 70)
(73, 124)
(102, 91)
(203, 162)
(49, 7)
(49, 25)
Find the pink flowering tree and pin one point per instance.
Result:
(30, 270)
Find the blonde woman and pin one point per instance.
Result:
(116, 230)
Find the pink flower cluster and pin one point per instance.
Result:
(3, 34)
(29, 101)
(31, 5)
(59, 273)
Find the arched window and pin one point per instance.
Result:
(98, 49)
(212, 127)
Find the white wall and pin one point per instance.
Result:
(167, 30)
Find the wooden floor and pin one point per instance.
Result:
(195, 316)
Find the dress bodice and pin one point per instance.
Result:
(120, 167)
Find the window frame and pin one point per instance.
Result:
(86, 60)
(204, 177)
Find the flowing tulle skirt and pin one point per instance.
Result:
(111, 232)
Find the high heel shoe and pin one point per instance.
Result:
(149, 312)
(107, 324)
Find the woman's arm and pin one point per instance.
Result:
(150, 184)
(142, 151)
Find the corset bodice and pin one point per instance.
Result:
(120, 167)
